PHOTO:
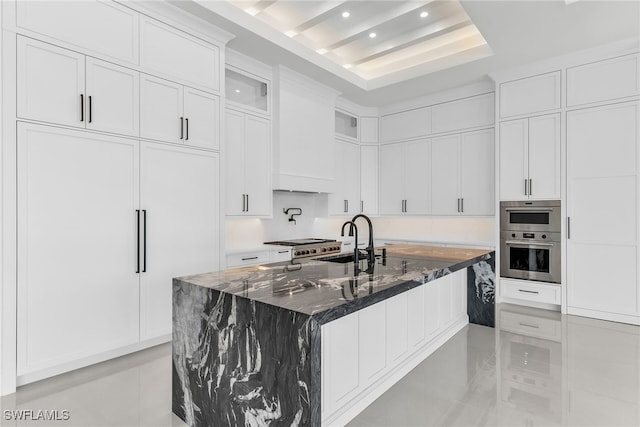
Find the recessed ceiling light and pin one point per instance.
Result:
(346, 14)
(347, 66)
(237, 90)
(424, 14)
(252, 11)
(291, 33)
(372, 35)
(322, 51)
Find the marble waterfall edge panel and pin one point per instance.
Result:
(238, 362)
(481, 292)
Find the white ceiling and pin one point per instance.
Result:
(517, 31)
(375, 39)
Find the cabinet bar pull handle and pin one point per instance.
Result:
(528, 292)
(186, 138)
(138, 241)
(144, 241)
(89, 108)
(247, 203)
(526, 191)
(361, 206)
(181, 127)
(405, 206)
(462, 204)
(568, 227)
(283, 252)
(529, 326)
(530, 186)
(248, 258)
(81, 107)
(458, 204)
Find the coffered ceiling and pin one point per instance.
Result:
(374, 39)
(459, 42)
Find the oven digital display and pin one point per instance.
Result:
(529, 259)
(529, 218)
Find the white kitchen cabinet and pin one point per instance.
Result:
(405, 125)
(345, 200)
(248, 149)
(86, 93)
(528, 290)
(175, 113)
(369, 130)
(391, 179)
(604, 80)
(530, 95)
(77, 283)
(179, 198)
(462, 168)
(363, 351)
(246, 90)
(113, 97)
(602, 210)
(372, 338)
(530, 158)
(405, 180)
(369, 179)
(347, 126)
(174, 54)
(105, 28)
(340, 361)
(472, 112)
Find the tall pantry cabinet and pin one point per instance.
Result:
(105, 218)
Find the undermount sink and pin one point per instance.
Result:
(341, 258)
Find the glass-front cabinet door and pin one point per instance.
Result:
(247, 91)
(346, 125)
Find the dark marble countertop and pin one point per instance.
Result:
(329, 290)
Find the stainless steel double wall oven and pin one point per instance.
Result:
(530, 240)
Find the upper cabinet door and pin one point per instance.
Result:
(257, 149)
(544, 157)
(417, 158)
(161, 115)
(514, 160)
(530, 95)
(113, 98)
(391, 179)
(345, 200)
(50, 83)
(369, 179)
(175, 54)
(369, 130)
(444, 174)
(477, 178)
(405, 125)
(102, 27)
(234, 150)
(201, 111)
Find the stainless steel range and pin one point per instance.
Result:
(303, 248)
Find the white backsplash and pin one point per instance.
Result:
(248, 233)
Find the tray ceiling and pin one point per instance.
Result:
(375, 39)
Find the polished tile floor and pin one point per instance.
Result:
(537, 368)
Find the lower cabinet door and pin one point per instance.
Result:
(77, 282)
(179, 201)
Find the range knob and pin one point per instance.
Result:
(513, 234)
(324, 249)
(297, 253)
(544, 236)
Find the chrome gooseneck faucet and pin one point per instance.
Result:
(370, 254)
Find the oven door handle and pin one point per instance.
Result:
(520, 242)
(529, 210)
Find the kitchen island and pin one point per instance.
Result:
(312, 342)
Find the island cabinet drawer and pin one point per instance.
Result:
(533, 326)
(530, 291)
(247, 258)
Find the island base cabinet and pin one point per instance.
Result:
(366, 352)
